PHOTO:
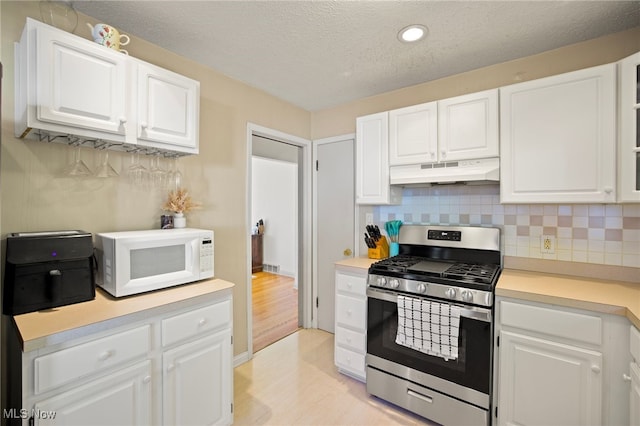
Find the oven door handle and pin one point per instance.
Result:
(480, 314)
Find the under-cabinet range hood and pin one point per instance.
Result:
(486, 170)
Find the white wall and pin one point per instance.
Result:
(275, 201)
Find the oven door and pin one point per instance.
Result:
(470, 371)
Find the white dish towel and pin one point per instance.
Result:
(429, 327)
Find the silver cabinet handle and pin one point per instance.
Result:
(626, 377)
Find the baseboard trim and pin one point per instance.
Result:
(241, 359)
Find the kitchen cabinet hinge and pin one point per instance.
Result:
(498, 341)
(232, 340)
(316, 165)
(317, 302)
(496, 414)
(232, 407)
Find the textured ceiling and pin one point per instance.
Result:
(319, 54)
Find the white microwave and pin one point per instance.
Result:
(133, 262)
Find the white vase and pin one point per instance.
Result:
(179, 221)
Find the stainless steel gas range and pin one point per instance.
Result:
(430, 323)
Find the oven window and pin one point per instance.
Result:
(471, 369)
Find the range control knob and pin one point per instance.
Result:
(467, 296)
(394, 283)
(382, 281)
(451, 293)
(421, 288)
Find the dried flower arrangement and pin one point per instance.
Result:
(179, 201)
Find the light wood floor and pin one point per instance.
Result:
(295, 382)
(275, 308)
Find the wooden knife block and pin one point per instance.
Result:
(382, 249)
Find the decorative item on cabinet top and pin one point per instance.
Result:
(69, 89)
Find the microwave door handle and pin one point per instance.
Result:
(54, 288)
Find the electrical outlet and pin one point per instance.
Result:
(369, 218)
(548, 244)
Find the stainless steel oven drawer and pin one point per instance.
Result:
(424, 401)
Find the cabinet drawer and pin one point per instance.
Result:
(190, 324)
(351, 339)
(634, 343)
(553, 322)
(61, 367)
(351, 361)
(351, 311)
(351, 284)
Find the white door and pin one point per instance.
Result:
(120, 398)
(197, 386)
(548, 383)
(335, 204)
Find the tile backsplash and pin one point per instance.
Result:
(606, 234)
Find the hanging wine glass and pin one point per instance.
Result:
(77, 168)
(137, 173)
(157, 175)
(105, 170)
(174, 177)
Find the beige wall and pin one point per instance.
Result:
(36, 197)
(341, 120)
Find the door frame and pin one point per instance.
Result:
(305, 248)
(316, 143)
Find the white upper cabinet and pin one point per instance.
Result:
(65, 86)
(468, 126)
(629, 121)
(558, 138)
(413, 134)
(168, 109)
(372, 161)
(70, 86)
(460, 128)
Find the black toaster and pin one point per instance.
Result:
(45, 270)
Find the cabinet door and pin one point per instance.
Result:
(168, 109)
(634, 418)
(413, 134)
(120, 398)
(558, 138)
(548, 383)
(372, 161)
(468, 126)
(79, 84)
(197, 382)
(629, 144)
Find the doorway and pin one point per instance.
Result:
(278, 200)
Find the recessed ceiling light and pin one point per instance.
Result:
(412, 33)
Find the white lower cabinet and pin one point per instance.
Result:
(634, 377)
(171, 367)
(545, 382)
(351, 322)
(559, 366)
(195, 379)
(122, 398)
